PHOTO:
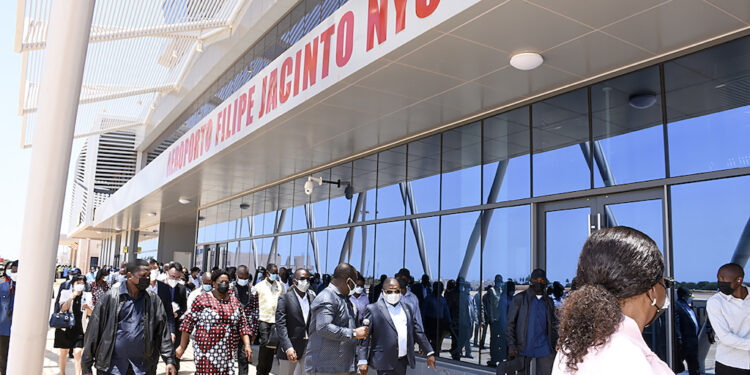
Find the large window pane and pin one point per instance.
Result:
(362, 252)
(389, 248)
(423, 173)
(391, 172)
(462, 156)
(560, 127)
(340, 207)
(506, 261)
(707, 109)
(335, 244)
(319, 199)
(506, 156)
(301, 251)
(245, 256)
(460, 270)
(365, 180)
(419, 261)
(286, 197)
(299, 220)
(627, 126)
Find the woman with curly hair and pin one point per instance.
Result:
(620, 290)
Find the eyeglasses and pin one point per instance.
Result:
(391, 291)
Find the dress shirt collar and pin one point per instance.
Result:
(729, 297)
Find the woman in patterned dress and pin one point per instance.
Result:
(99, 286)
(219, 323)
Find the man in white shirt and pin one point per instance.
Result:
(292, 324)
(205, 286)
(268, 292)
(729, 312)
(393, 331)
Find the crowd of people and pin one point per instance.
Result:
(124, 320)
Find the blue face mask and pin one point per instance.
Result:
(273, 277)
(243, 282)
(207, 287)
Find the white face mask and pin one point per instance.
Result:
(392, 298)
(303, 285)
(154, 274)
(358, 290)
(172, 283)
(78, 287)
(12, 275)
(243, 282)
(351, 291)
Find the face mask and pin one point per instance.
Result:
(78, 287)
(358, 290)
(303, 285)
(207, 287)
(243, 282)
(392, 298)
(351, 290)
(538, 288)
(726, 287)
(222, 287)
(273, 277)
(172, 283)
(143, 283)
(154, 274)
(12, 275)
(659, 310)
(182, 282)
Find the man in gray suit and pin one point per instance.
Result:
(332, 344)
(395, 329)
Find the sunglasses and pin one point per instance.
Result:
(668, 283)
(391, 291)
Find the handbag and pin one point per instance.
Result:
(268, 335)
(62, 320)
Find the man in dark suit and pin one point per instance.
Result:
(422, 290)
(292, 324)
(686, 327)
(177, 298)
(531, 331)
(393, 330)
(375, 289)
(164, 292)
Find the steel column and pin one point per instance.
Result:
(346, 248)
(407, 195)
(742, 251)
(310, 216)
(276, 230)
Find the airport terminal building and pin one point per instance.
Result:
(397, 134)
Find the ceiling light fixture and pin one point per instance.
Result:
(174, 53)
(151, 214)
(642, 100)
(199, 47)
(201, 218)
(118, 229)
(526, 60)
(244, 206)
(184, 200)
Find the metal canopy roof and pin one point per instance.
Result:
(138, 50)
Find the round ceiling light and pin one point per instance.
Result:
(184, 200)
(526, 60)
(642, 100)
(244, 206)
(151, 214)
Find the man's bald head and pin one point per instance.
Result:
(730, 272)
(345, 271)
(206, 278)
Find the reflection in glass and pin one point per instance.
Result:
(363, 251)
(506, 156)
(391, 172)
(560, 127)
(462, 156)
(628, 136)
(566, 232)
(506, 261)
(424, 175)
(708, 109)
(389, 248)
(340, 207)
(460, 263)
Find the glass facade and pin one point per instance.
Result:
(665, 149)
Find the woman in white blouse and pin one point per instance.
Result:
(620, 290)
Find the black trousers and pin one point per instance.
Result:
(4, 345)
(266, 355)
(398, 369)
(722, 369)
(543, 365)
(242, 362)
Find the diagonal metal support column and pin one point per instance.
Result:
(605, 172)
(62, 74)
(346, 248)
(310, 218)
(483, 221)
(408, 196)
(252, 242)
(276, 229)
(742, 251)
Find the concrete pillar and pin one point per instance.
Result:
(177, 242)
(62, 74)
(132, 244)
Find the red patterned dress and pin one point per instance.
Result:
(97, 291)
(218, 325)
